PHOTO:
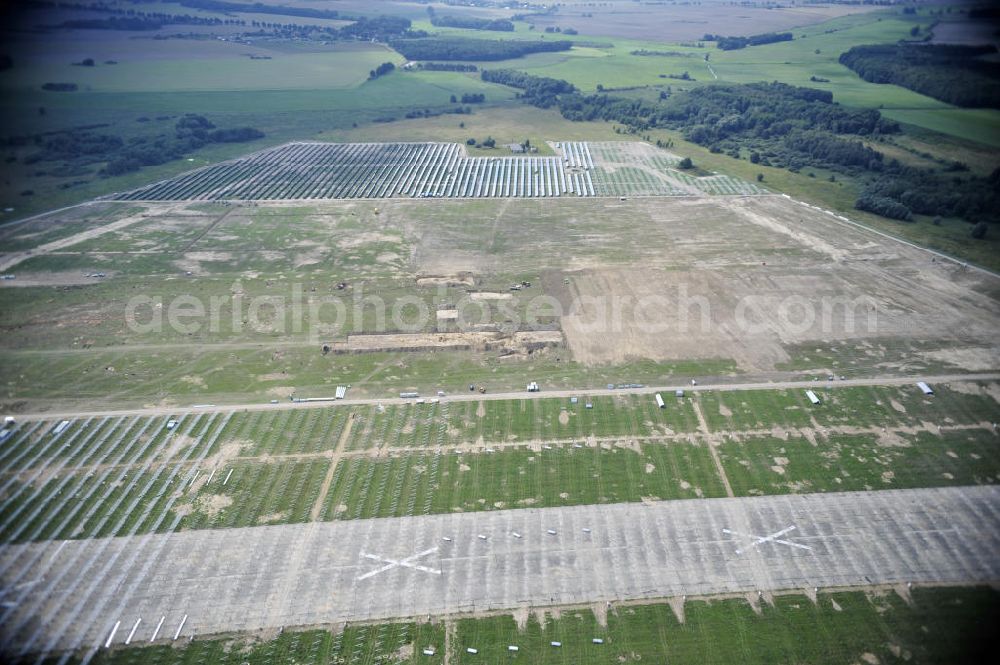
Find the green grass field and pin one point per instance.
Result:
(361, 645)
(859, 462)
(942, 625)
(182, 67)
(515, 478)
(875, 406)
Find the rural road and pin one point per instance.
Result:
(475, 397)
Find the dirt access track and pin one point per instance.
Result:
(746, 278)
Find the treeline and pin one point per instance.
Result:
(462, 48)
(662, 54)
(954, 74)
(471, 23)
(381, 70)
(190, 133)
(380, 28)
(775, 124)
(60, 87)
(428, 113)
(925, 192)
(82, 147)
(207, 5)
(258, 8)
(734, 43)
(540, 91)
(143, 22)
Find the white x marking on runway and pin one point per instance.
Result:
(405, 563)
(774, 537)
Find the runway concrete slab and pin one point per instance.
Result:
(67, 594)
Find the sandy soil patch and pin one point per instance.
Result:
(360, 239)
(650, 468)
(309, 258)
(447, 314)
(563, 418)
(969, 388)
(183, 509)
(178, 442)
(273, 517)
(891, 439)
(465, 279)
(972, 359)
(191, 261)
(213, 504)
(487, 295)
(456, 341)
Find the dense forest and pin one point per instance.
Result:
(79, 149)
(471, 23)
(539, 91)
(954, 74)
(381, 70)
(775, 124)
(462, 48)
(734, 43)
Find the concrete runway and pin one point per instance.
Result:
(74, 592)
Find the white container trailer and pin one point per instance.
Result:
(924, 388)
(812, 397)
(659, 401)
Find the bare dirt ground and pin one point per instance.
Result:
(8, 261)
(777, 274)
(459, 340)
